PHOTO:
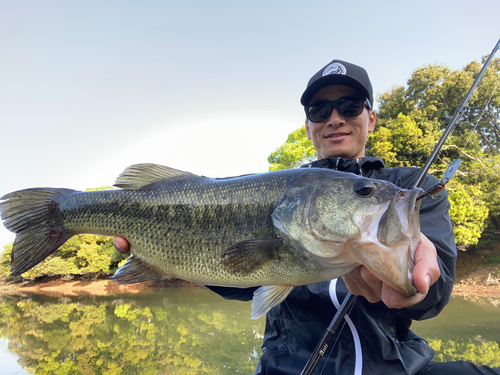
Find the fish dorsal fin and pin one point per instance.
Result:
(138, 176)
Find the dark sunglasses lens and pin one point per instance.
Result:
(350, 107)
(320, 113)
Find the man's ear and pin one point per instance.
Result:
(371, 121)
(308, 132)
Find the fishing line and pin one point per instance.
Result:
(337, 339)
(455, 164)
(290, 310)
(331, 348)
(448, 174)
(327, 337)
(480, 117)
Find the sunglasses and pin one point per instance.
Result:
(348, 106)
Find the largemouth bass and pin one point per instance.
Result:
(275, 230)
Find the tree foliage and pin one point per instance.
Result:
(410, 121)
(5, 262)
(401, 142)
(468, 212)
(80, 255)
(297, 150)
(428, 102)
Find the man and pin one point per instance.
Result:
(338, 103)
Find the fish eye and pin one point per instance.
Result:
(364, 188)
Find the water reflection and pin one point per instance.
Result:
(467, 329)
(188, 331)
(168, 332)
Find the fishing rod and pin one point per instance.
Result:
(350, 299)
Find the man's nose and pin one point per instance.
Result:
(335, 118)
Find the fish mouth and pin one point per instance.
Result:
(388, 251)
(402, 234)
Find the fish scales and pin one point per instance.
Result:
(167, 226)
(275, 230)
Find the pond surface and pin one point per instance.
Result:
(185, 331)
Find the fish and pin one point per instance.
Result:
(274, 230)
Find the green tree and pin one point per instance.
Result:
(5, 262)
(80, 255)
(468, 212)
(297, 150)
(433, 94)
(429, 101)
(400, 142)
(411, 120)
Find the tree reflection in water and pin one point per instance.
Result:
(166, 332)
(188, 331)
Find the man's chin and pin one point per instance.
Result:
(334, 153)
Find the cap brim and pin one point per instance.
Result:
(332, 79)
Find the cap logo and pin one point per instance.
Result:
(334, 68)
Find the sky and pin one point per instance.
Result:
(88, 88)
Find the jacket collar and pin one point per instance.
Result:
(358, 166)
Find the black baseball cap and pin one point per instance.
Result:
(338, 72)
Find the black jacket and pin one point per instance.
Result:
(375, 339)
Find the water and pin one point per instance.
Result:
(183, 331)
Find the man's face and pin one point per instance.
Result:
(339, 135)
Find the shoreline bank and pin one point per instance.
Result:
(101, 287)
(478, 282)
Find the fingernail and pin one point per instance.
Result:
(428, 281)
(118, 249)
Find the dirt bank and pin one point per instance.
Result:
(475, 277)
(99, 287)
(479, 282)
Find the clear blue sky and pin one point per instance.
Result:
(212, 87)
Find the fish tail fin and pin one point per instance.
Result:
(32, 214)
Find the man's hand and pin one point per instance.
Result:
(362, 282)
(121, 245)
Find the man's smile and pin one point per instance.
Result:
(337, 135)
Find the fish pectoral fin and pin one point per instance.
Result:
(138, 176)
(248, 256)
(266, 297)
(136, 271)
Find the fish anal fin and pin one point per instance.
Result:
(266, 297)
(138, 176)
(136, 271)
(248, 256)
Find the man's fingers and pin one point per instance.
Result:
(362, 282)
(426, 271)
(373, 285)
(395, 300)
(121, 245)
